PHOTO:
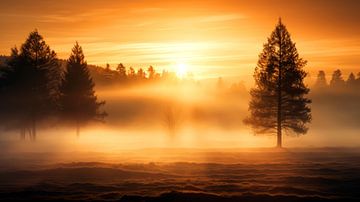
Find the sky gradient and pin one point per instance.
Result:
(213, 38)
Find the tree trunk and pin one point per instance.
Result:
(279, 137)
(279, 132)
(279, 88)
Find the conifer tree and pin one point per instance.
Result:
(79, 103)
(278, 99)
(152, 72)
(132, 74)
(337, 80)
(121, 71)
(351, 81)
(140, 75)
(31, 83)
(321, 80)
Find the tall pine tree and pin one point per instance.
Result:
(79, 103)
(278, 99)
(30, 84)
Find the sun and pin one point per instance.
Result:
(181, 69)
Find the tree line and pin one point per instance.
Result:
(124, 76)
(337, 98)
(33, 88)
(337, 81)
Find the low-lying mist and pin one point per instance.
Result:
(188, 115)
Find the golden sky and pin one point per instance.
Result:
(212, 38)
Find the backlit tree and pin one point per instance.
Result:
(79, 103)
(278, 101)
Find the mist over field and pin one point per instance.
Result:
(203, 116)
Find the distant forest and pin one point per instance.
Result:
(337, 100)
(337, 81)
(105, 76)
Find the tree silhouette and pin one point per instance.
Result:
(30, 83)
(152, 73)
(351, 81)
(140, 74)
(78, 100)
(321, 80)
(278, 99)
(107, 68)
(132, 74)
(122, 72)
(337, 80)
(2, 97)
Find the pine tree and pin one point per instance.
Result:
(107, 68)
(351, 81)
(131, 74)
(278, 99)
(31, 83)
(140, 75)
(79, 103)
(152, 73)
(121, 71)
(321, 80)
(337, 80)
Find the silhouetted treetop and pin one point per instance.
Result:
(337, 80)
(321, 80)
(152, 73)
(351, 79)
(122, 71)
(141, 75)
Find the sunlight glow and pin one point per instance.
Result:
(181, 69)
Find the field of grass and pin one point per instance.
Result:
(326, 174)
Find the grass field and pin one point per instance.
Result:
(323, 174)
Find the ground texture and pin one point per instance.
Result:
(229, 175)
